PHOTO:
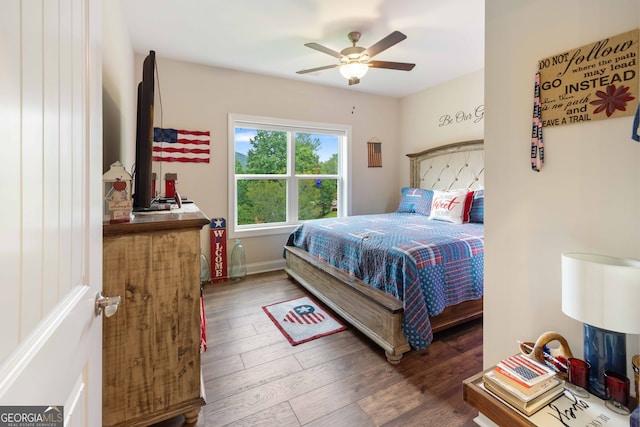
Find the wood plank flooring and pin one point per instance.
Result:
(254, 377)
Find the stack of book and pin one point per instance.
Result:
(523, 383)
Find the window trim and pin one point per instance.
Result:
(288, 125)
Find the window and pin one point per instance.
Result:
(285, 172)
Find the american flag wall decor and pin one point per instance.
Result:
(374, 148)
(176, 145)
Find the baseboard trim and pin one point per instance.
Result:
(264, 267)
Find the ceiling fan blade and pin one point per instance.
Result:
(385, 43)
(404, 66)
(311, 70)
(323, 49)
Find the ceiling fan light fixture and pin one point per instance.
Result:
(355, 61)
(353, 70)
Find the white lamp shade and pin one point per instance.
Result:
(602, 291)
(353, 70)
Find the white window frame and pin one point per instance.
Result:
(270, 123)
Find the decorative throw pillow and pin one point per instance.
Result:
(449, 205)
(413, 199)
(423, 207)
(477, 207)
(467, 206)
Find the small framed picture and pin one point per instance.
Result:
(374, 149)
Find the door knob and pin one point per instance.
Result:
(109, 304)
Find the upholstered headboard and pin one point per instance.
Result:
(452, 166)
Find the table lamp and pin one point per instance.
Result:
(603, 292)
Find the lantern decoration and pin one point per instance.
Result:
(117, 194)
(170, 184)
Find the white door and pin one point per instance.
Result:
(50, 216)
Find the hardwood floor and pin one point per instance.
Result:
(254, 377)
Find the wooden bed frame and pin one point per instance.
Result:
(375, 313)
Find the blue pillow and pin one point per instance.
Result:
(476, 214)
(415, 200)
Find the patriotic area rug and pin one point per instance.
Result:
(302, 319)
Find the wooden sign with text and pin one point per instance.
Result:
(593, 82)
(218, 250)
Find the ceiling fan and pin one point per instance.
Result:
(356, 60)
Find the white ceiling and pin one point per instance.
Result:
(445, 38)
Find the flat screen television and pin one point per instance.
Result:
(142, 195)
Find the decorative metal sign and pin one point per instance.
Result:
(593, 82)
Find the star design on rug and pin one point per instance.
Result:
(303, 309)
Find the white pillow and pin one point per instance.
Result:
(449, 206)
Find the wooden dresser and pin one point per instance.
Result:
(151, 346)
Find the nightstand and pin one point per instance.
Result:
(565, 411)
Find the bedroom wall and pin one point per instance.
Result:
(198, 97)
(585, 199)
(118, 89)
(450, 112)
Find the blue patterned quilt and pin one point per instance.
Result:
(427, 264)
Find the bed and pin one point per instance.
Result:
(401, 277)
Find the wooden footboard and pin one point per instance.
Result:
(376, 314)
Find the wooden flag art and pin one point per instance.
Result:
(184, 146)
